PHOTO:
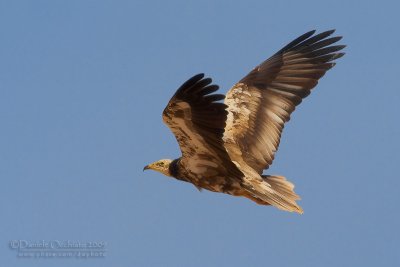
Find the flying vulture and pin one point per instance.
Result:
(226, 146)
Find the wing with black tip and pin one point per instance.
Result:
(197, 118)
(261, 103)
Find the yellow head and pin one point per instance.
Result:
(161, 166)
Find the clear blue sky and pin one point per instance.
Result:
(82, 88)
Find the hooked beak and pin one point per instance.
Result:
(146, 167)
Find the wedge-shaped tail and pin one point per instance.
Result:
(275, 190)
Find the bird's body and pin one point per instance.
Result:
(201, 178)
(226, 146)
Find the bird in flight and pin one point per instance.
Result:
(227, 146)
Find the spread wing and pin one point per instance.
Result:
(261, 103)
(198, 120)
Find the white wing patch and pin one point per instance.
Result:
(238, 112)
